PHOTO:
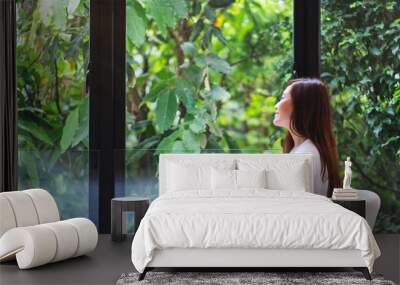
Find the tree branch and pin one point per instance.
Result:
(56, 91)
(182, 34)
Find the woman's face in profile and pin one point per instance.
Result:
(283, 110)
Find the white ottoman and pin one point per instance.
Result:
(31, 232)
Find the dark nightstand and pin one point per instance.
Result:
(119, 206)
(357, 206)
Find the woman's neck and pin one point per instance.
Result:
(297, 139)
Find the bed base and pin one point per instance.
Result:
(363, 270)
(251, 259)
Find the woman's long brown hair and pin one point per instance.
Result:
(312, 118)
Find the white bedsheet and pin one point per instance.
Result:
(250, 219)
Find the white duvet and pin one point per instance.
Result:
(250, 219)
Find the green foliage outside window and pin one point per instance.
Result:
(360, 59)
(53, 109)
(207, 74)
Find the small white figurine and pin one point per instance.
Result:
(347, 174)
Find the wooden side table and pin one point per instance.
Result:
(357, 206)
(138, 205)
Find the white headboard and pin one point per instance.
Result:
(215, 158)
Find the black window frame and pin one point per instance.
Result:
(306, 40)
(8, 99)
(107, 107)
(106, 84)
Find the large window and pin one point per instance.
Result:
(53, 109)
(360, 60)
(202, 76)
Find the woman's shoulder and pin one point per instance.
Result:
(307, 147)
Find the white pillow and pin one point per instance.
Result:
(223, 179)
(226, 179)
(184, 178)
(251, 178)
(281, 174)
(294, 180)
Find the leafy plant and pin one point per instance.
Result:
(204, 76)
(180, 81)
(360, 59)
(53, 109)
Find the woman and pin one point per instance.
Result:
(305, 112)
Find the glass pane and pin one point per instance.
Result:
(203, 78)
(65, 176)
(360, 60)
(53, 108)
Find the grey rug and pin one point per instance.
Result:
(228, 278)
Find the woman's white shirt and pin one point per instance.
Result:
(320, 183)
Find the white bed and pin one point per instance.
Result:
(228, 226)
